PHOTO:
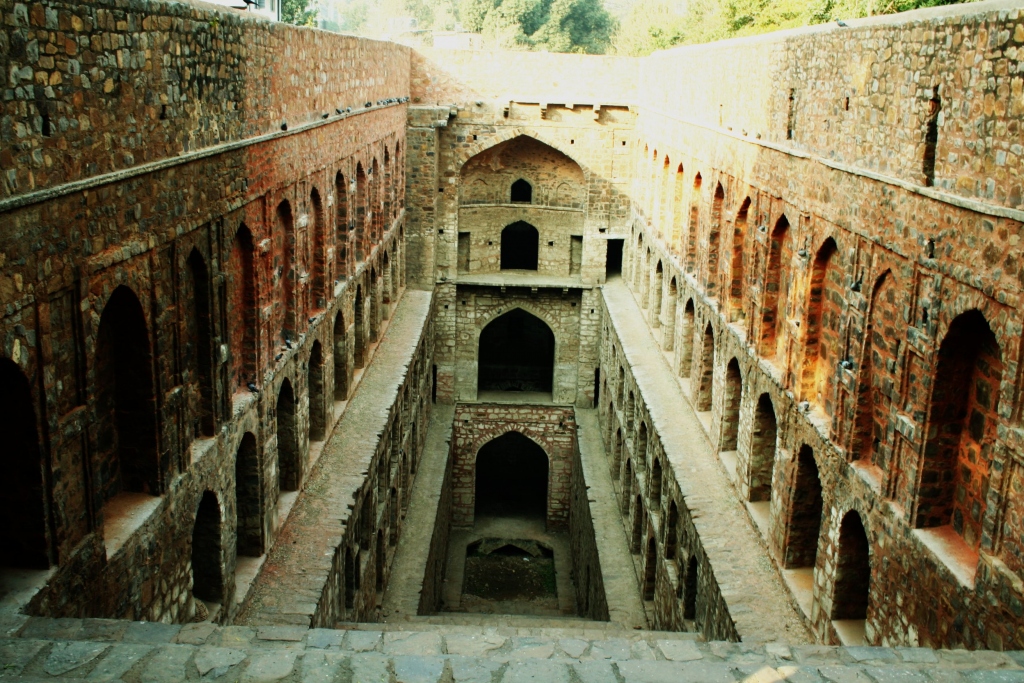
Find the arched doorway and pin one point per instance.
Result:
(517, 353)
(853, 580)
(207, 574)
(340, 359)
(22, 515)
(200, 337)
(511, 478)
(248, 508)
(315, 384)
(289, 466)
(125, 458)
(519, 246)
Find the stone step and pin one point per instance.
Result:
(511, 624)
(107, 650)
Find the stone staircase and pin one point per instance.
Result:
(454, 649)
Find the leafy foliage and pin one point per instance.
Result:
(658, 24)
(299, 12)
(553, 25)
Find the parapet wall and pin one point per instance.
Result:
(864, 94)
(97, 87)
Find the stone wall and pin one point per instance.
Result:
(587, 576)
(550, 427)
(865, 96)
(98, 88)
(185, 288)
(476, 307)
(680, 584)
(848, 327)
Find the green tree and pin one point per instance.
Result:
(553, 25)
(657, 24)
(299, 12)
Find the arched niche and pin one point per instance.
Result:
(511, 478)
(516, 353)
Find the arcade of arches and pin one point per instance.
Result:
(637, 358)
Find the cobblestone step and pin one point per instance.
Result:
(33, 649)
(511, 625)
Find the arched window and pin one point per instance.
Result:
(511, 478)
(522, 192)
(517, 353)
(520, 244)
(22, 515)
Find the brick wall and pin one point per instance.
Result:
(550, 427)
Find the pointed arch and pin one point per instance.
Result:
(657, 287)
(242, 324)
(668, 334)
(23, 538)
(207, 553)
(315, 383)
(822, 324)
(852, 591)
(520, 245)
(289, 459)
(340, 358)
(736, 286)
(763, 445)
(691, 233)
(125, 458)
(686, 340)
(359, 218)
(319, 295)
(804, 512)
(511, 478)
(707, 370)
(248, 499)
(774, 283)
(516, 353)
(678, 185)
(200, 336)
(714, 233)
(876, 387)
(359, 331)
(731, 406)
(962, 423)
(289, 269)
(341, 227)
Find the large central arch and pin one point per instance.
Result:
(511, 478)
(517, 353)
